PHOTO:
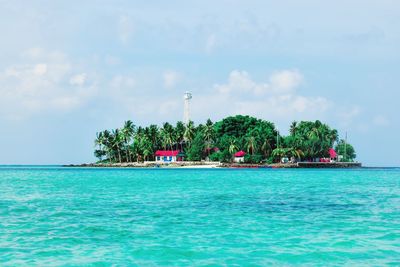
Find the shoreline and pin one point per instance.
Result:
(212, 165)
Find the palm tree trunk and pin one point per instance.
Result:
(119, 155)
(127, 153)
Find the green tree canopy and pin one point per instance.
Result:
(306, 140)
(346, 150)
(313, 139)
(257, 137)
(196, 150)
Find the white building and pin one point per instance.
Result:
(239, 156)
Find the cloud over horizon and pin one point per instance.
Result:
(45, 82)
(275, 99)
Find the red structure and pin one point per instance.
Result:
(167, 155)
(332, 156)
(239, 154)
(332, 153)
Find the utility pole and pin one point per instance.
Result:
(277, 138)
(345, 148)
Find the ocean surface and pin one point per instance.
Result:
(54, 216)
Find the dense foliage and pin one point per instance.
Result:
(219, 141)
(308, 140)
(256, 137)
(346, 150)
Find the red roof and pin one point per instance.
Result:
(332, 153)
(166, 153)
(240, 153)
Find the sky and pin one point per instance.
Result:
(69, 69)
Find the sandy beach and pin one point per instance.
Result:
(208, 166)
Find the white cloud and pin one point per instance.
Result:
(286, 80)
(211, 43)
(347, 116)
(141, 99)
(241, 82)
(33, 52)
(171, 78)
(168, 107)
(78, 79)
(122, 82)
(284, 107)
(380, 120)
(33, 87)
(277, 98)
(40, 69)
(125, 29)
(124, 93)
(111, 60)
(279, 82)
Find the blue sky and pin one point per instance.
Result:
(71, 68)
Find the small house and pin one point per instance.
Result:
(166, 156)
(239, 156)
(332, 154)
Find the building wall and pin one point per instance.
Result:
(239, 159)
(166, 159)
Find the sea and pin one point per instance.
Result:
(58, 216)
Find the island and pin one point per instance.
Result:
(235, 141)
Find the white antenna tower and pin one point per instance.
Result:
(187, 96)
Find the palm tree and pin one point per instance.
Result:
(100, 141)
(116, 142)
(167, 133)
(209, 133)
(146, 153)
(127, 133)
(179, 134)
(189, 132)
(266, 146)
(293, 128)
(279, 153)
(135, 147)
(297, 153)
(333, 136)
(154, 136)
(232, 146)
(314, 133)
(146, 147)
(251, 144)
(287, 152)
(108, 144)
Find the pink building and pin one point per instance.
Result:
(239, 156)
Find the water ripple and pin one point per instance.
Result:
(60, 216)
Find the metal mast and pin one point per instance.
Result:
(187, 96)
(345, 148)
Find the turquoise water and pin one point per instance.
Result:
(54, 216)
